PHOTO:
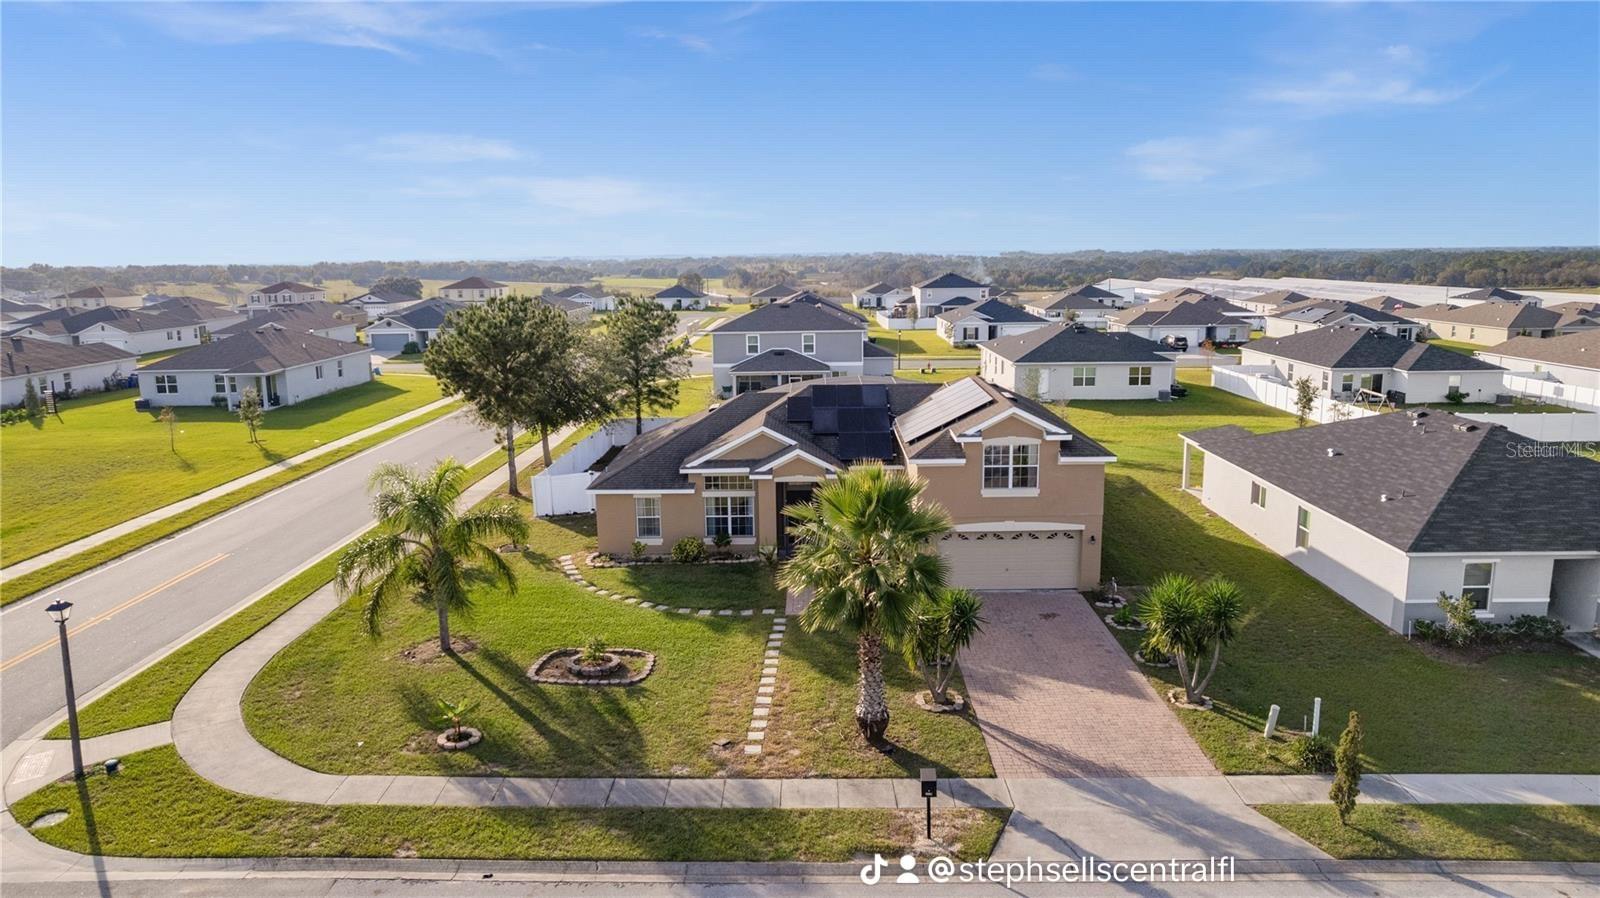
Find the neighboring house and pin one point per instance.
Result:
(96, 298)
(1087, 305)
(214, 315)
(678, 296)
(335, 321)
(61, 368)
(987, 320)
(1491, 294)
(1384, 303)
(1008, 296)
(1492, 322)
(1575, 316)
(284, 367)
(1572, 359)
(1195, 316)
(1342, 360)
(1391, 510)
(1070, 361)
(139, 331)
(381, 302)
(937, 295)
(1024, 490)
(800, 338)
(575, 310)
(771, 294)
(1314, 313)
(418, 323)
(286, 293)
(13, 312)
(879, 296)
(596, 298)
(473, 289)
(1270, 302)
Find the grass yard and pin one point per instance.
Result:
(158, 807)
(936, 376)
(1300, 640)
(738, 586)
(1456, 346)
(919, 342)
(122, 465)
(1479, 832)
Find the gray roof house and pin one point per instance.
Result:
(1392, 510)
(1492, 322)
(418, 323)
(968, 324)
(336, 321)
(1570, 359)
(60, 367)
(1314, 313)
(1269, 302)
(1072, 361)
(595, 298)
(936, 294)
(798, 338)
(678, 296)
(282, 365)
(1343, 359)
(771, 294)
(1191, 314)
(381, 301)
(1385, 303)
(1086, 304)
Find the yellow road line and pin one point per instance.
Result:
(107, 615)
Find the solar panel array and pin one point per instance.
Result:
(948, 403)
(851, 420)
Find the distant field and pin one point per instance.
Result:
(340, 290)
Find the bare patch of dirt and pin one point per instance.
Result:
(428, 650)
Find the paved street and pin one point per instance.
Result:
(126, 611)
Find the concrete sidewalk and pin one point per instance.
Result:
(1426, 788)
(61, 553)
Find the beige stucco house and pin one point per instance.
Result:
(1492, 323)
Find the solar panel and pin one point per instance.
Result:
(948, 403)
(799, 409)
(875, 396)
(824, 420)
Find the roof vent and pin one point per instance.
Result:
(1417, 413)
(1464, 428)
(1334, 453)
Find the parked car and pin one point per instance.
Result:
(1175, 343)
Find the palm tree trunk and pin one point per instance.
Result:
(872, 706)
(511, 460)
(1216, 655)
(444, 629)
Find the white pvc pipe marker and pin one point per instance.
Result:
(1272, 722)
(1316, 716)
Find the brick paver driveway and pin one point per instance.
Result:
(1056, 696)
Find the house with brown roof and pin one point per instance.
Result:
(97, 297)
(285, 293)
(1572, 359)
(63, 368)
(1024, 489)
(1191, 316)
(473, 289)
(1493, 322)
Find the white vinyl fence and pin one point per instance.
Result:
(1259, 382)
(1551, 427)
(1553, 392)
(563, 488)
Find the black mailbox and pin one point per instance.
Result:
(930, 782)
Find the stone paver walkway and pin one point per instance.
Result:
(1057, 696)
(166, 511)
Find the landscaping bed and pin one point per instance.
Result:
(1481, 832)
(1300, 640)
(718, 586)
(114, 816)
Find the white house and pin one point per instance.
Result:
(418, 324)
(336, 321)
(1194, 318)
(286, 293)
(1314, 313)
(96, 298)
(283, 366)
(1072, 361)
(1572, 359)
(473, 289)
(934, 295)
(598, 299)
(1263, 304)
(137, 331)
(214, 315)
(62, 368)
(14, 312)
(379, 302)
(1342, 360)
(988, 320)
(879, 296)
(1087, 305)
(771, 293)
(678, 296)
(1391, 510)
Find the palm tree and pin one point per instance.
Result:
(1186, 618)
(423, 548)
(941, 626)
(861, 548)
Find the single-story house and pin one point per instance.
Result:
(380, 302)
(1570, 358)
(61, 368)
(577, 311)
(1492, 322)
(1491, 294)
(96, 298)
(418, 324)
(14, 311)
(1391, 510)
(1023, 488)
(1193, 315)
(598, 299)
(881, 295)
(286, 293)
(771, 293)
(1385, 303)
(987, 320)
(1070, 361)
(473, 289)
(678, 296)
(1269, 302)
(1342, 360)
(214, 315)
(336, 321)
(1087, 305)
(283, 366)
(1314, 313)
(139, 331)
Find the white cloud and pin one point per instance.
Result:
(386, 27)
(695, 42)
(1240, 157)
(594, 195)
(438, 148)
(1395, 75)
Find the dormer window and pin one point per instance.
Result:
(752, 344)
(808, 344)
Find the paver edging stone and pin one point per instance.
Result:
(569, 569)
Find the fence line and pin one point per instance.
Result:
(1553, 392)
(1253, 382)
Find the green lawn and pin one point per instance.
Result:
(747, 585)
(122, 465)
(158, 807)
(1480, 832)
(918, 342)
(1457, 346)
(936, 376)
(1300, 640)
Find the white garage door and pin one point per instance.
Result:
(1013, 559)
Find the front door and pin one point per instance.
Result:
(272, 391)
(789, 494)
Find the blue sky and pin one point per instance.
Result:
(295, 133)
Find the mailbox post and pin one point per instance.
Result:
(930, 790)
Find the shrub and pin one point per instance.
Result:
(13, 416)
(219, 402)
(1313, 754)
(688, 550)
(594, 651)
(769, 556)
(1455, 396)
(1347, 770)
(722, 541)
(1126, 616)
(637, 549)
(411, 348)
(1535, 627)
(1152, 653)
(1461, 624)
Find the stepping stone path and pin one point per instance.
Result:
(569, 569)
(765, 687)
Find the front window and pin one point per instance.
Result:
(752, 344)
(66, 381)
(1302, 528)
(730, 515)
(1476, 583)
(166, 383)
(1010, 466)
(808, 343)
(233, 384)
(647, 517)
(1083, 377)
(219, 383)
(1139, 376)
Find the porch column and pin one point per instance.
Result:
(1184, 482)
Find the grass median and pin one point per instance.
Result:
(1479, 832)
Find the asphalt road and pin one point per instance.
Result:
(125, 611)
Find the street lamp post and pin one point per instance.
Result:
(59, 612)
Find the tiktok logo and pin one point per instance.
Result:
(873, 872)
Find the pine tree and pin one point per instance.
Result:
(1347, 770)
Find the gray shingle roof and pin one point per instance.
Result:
(426, 315)
(776, 291)
(573, 292)
(200, 309)
(993, 310)
(1490, 314)
(1277, 298)
(879, 288)
(25, 355)
(99, 293)
(1455, 485)
(775, 361)
(266, 348)
(385, 296)
(1579, 350)
(948, 280)
(1316, 311)
(288, 287)
(1498, 294)
(1348, 346)
(299, 318)
(792, 316)
(132, 320)
(679, 291)
(1387, 303)
(1067, 343)
(473, 283)
(1202, 311)
(1079, 298)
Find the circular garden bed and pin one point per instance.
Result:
(617, 667)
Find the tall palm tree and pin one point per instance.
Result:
(861, 547)
(425, 549)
